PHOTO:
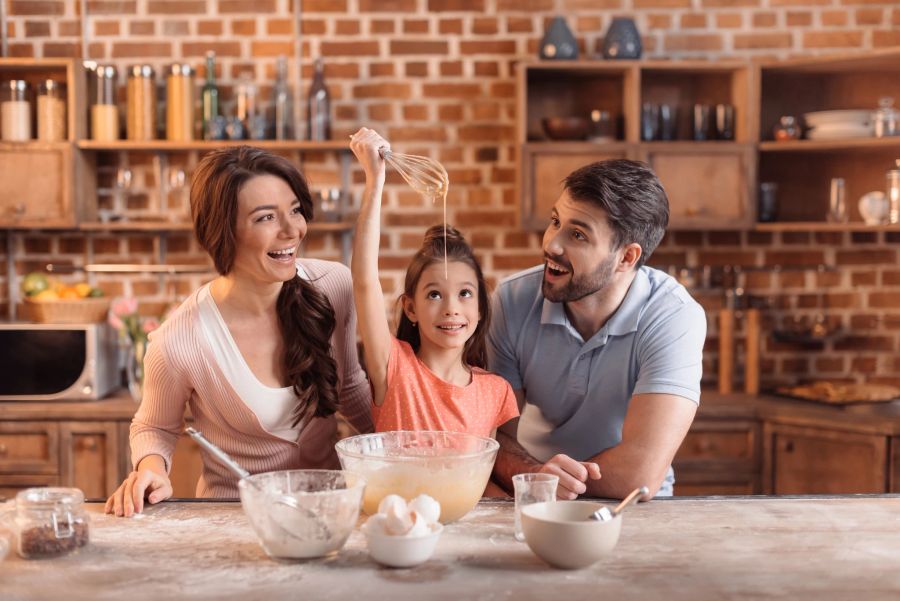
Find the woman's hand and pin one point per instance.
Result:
(366, 144)
(149, 478)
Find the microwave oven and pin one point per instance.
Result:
(50, 362)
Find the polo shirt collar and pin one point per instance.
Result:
(623, 321)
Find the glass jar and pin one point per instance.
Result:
(787, 129)
(15, 111)
(180, 102)
(50, 522)
(51, 111)
(140, 104)
(887, 118)
(105, 111)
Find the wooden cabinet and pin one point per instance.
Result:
(809, 460)
(710, 183)
(47, 184)
(719, 457)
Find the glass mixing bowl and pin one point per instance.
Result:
(299, 514)
(452, 467)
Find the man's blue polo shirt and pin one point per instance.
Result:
(578, 391)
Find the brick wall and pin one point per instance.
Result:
(438, 76)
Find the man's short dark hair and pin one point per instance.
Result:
(632, 196)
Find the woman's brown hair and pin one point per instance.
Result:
(432, 251)
(306, 317)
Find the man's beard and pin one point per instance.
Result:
(578, 286)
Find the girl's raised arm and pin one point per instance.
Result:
(367, 292)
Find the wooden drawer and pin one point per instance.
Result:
(10, 485)
(727, 441)
(29, 448)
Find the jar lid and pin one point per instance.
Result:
(51, 85)
(49, 497)
(106, 71)
(19, 85)
(181, 69)
(140, 71)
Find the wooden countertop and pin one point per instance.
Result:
(678, 549)
(873, 418)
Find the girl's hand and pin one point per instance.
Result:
(365, 144)
(129, 497)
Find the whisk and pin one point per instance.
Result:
(424, 175)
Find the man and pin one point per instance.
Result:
(604, 354)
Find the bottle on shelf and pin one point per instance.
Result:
(105, 111)
(893, 193)
(16, 109)
(140, 105)
(319, 106)
(180, 103)
(209, 98)
(284, 106)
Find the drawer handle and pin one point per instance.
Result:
(89, 443)
(3, 450)
(704, 446)
(789, 447)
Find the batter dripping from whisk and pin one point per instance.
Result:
(431, 375)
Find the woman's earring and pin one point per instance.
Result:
(415, 324)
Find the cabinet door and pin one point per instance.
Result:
(29, 448)
(35, 185)
(544, 169)
(806, 460)
(90, 457)
(718, 457)
(708, 184)
(187, 465)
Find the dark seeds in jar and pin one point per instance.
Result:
(41, 541)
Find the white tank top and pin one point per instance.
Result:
(272, 406)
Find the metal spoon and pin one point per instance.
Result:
(307, 516)
(604, 514)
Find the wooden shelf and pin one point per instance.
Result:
(170, 146)
(816, 226)
(578, 146)
(180, 226)
(830, 145)
(34, 145)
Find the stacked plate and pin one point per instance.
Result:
(839, 125)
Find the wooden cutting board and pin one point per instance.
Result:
(842, 394)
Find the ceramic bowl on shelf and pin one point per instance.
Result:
(562, 533)
(841, 131)
(839, 117)
(566, 128)
(873, 207)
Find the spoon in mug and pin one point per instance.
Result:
(604, 514)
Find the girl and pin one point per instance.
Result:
(431, 376)
(265, 354)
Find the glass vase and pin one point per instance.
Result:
(135, 369)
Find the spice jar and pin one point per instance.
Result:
(104, 111)
(140, 103)
(50, 522)
(787, 129)
(180, 102)
(887, 118)
(51, 111)
(15, 111)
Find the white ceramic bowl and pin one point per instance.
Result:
(328, 503)
(402, 551)
(562, 533)
(838, 117)
(451, 467)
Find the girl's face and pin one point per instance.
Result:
(269, 229)
(445, 309)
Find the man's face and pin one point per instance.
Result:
(577, 258)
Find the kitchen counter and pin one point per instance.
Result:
(689, 548)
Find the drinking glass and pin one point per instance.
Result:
(701, 121)
(532, 488)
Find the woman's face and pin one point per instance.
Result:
(269, 229)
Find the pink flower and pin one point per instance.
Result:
(149, 325)
(114, 321)
(123, 306)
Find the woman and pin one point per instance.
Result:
(264, 354)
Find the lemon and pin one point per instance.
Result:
(83, 290)
(34, 283)
(46, 295)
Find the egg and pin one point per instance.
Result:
(420, 526)
(390, 501)
(427, 507)
(397, 520)
(375, 525)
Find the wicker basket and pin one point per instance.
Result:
(80, 310)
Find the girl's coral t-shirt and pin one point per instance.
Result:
(417, 399)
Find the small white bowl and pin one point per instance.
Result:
(402, 551)
(562, 533)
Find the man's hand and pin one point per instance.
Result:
(573, 475)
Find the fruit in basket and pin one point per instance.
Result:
(35, 283)
(46, 295)
(83, 290)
